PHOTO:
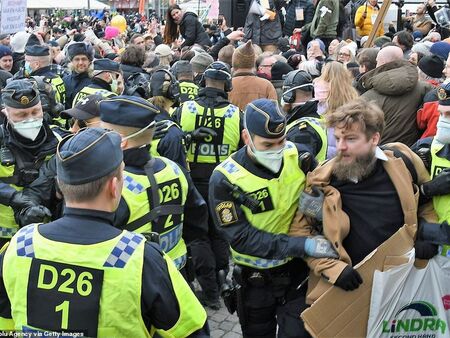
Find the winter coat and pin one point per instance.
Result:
(192, 31)
(336, 223)
(265, 32)
(326, 19)
(364, 26)
(396, 90)
(129, 70)
(74, 83)
(248, 87)
(291, 22)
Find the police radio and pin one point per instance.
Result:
(6, 157)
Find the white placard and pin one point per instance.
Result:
(13, 14)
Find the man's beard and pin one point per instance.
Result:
(358, 169)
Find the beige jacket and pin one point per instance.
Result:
(336, 224)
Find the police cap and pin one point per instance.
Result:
(128, 111)
(106, 65)
(20, 94)
(85, 109)
(443, 92)
(37, 50)
(218, 70)
(263, 117)
(87, 156)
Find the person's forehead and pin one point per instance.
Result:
(351, 129)
(16, 111)
(6, 57)
(444, 109)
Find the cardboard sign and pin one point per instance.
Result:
(12, 18)
(338, 313)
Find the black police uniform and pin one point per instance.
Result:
(267, 295)
(160, 305)
(26, 155)
(172, 144)
(208, 265)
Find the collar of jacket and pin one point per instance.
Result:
(243, 74)
(213, 97)
(308, 109)
(368, 78)
(44, 71)
(101, 83)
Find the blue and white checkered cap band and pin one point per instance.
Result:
(123, 250)
(180, 262)
(191, 107)
(7, 232)
(25, 241)
(311, 120)
(132, 185)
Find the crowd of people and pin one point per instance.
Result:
(137, 158)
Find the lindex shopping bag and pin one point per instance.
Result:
(408, 302)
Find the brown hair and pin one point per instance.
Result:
(226, 54)
(366, 114)
(171, 28)
(368, 57)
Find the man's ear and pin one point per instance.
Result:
(245, 136)
(376, 139)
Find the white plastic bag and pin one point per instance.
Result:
(411, 303)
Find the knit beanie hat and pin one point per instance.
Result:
(381, 40)
(18, 41)
(200, 62)
(422, 48)
(432, 66)
(440, 48)
(279, 69)
(244, 56)
(5, 51)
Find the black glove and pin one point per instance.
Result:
(200, 134)
(34, 214)
(349, 279)
(440, 185)
(20, 201)
(161, 129)
(434, 233)
(425, 250)
(425, 155)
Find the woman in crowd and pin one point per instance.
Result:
(187, 24)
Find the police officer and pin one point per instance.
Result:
(80, 55)
(26, 143)
(304, 125)
(39, 63)
(169, 140)
(253, 198)
(80, 274)
(212, 125)
(104, 80)
(158, 194)
(435, 153)
(84, 114)
(182, 70)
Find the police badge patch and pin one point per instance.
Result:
(226, 213)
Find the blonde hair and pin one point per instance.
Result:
(341, 89)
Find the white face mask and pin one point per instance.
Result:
(443, 130)
(29, 128)
(271, 159)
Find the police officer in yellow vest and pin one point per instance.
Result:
(253, 197)
(104, 80)
(158, 194)
(212, 125)
(80, 274)
(38, 63)
(169, 139)
(26, 143)
(435, 152)
(304, 125)
(182, 70)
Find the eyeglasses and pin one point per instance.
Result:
(343, 54)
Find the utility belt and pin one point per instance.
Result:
(278, 276)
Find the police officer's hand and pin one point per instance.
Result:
(310, 204)
(425, 249)
(440, 185)
(34, 214)
(434, 233)
(349, 279)
(20, 201)
(161, 129)
(319, 247)
(200, 134)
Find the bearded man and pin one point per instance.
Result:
(367, 194)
